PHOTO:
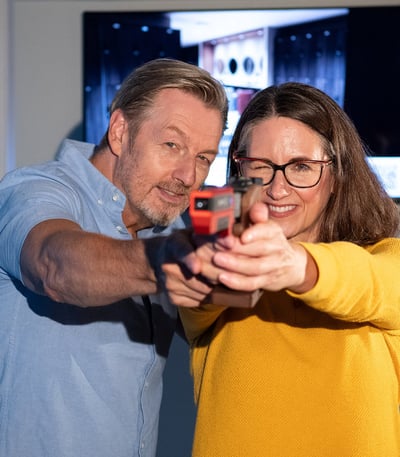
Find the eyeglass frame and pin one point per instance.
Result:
(237, 157)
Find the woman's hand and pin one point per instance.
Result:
(263, 258)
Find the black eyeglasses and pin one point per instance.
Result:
(298, 173)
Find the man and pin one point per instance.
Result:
(84, 327)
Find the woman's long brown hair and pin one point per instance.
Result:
(359, 210)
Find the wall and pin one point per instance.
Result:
(5, 84)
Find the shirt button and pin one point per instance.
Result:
(115, 197)
(142, 445)
(100, 201)
(119, 228)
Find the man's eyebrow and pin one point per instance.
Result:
(177, 130)
(211, 151)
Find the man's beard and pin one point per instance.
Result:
(148, 210)
(163, 214)
(156, 217)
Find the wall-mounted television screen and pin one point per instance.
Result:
(353, 54)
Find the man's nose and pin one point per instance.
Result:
(185, 171)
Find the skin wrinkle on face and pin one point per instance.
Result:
(167, 160)
(297, 211)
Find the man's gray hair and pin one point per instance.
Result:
(138, 90)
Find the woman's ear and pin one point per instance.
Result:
(116, 129)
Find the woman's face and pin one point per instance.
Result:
(297, 210)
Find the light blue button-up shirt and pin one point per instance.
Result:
(75, 382)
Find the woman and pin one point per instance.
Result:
(313, 368)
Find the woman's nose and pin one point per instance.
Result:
(279, 187)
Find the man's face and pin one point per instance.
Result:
(170, 157)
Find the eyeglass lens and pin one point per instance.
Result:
(298, 174)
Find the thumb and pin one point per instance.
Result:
(258, 213)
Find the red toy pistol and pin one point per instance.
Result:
(222, 211)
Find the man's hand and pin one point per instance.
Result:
(179, 268)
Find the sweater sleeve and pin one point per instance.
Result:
(197, 320)
(357, 284)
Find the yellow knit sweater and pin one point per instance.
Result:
(312, 375)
